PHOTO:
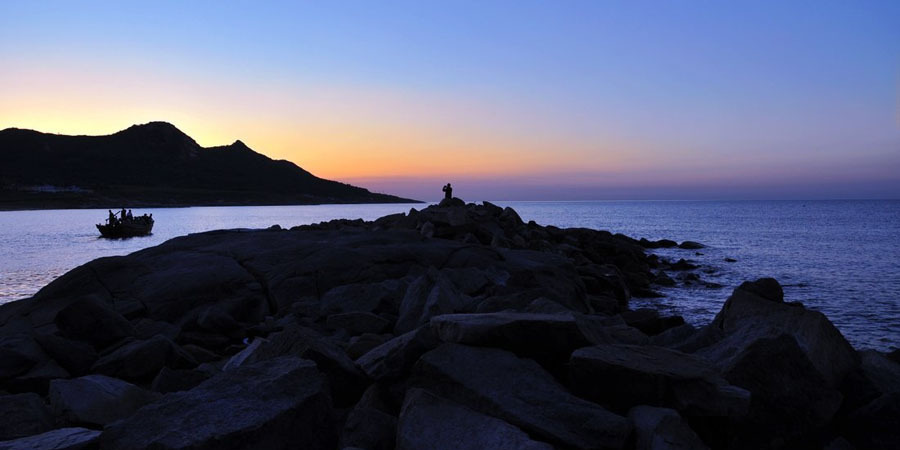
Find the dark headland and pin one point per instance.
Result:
(154, 164)
(457, 326)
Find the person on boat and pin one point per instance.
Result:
(448, 191)
(130, 217)
(112, 218)
(123, 213)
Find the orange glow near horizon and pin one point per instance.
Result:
(333, 132)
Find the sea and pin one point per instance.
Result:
(839, 257)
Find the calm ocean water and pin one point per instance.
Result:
(839, 257)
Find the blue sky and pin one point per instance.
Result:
(516, 100)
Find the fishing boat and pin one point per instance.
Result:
(127, 226)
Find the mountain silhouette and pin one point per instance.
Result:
(154, 164)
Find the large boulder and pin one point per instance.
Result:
(60, 439)
(395, 358)
(346, 380)
(370, 424)
(274, 404)
(76, 357)
(430, 295)
(358, 322)
(547, 338)
(623, 376)
(662, 429)
(500, 384)
(756, 310)
(93, 320)
(428, 421)
(141, 360)
(23, 415)
(18, 354)
(874, 426)
(791, 401)
(96, 399)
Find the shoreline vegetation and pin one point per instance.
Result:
(455, 326)
(155, 165)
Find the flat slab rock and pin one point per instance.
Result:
(97, 399)
(517, 390)
(622, 376)
(428, 421)
(60, 439)
(541, 336)
(280, 403)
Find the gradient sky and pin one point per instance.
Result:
(514, 100)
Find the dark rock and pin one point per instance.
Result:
(18, 354)
(662, 243)
(881, 371)
(682, 265)
(141, 360)
(663, 279)
(200, 354)
(395, 357)
(609, 330)
(623, 376)
(894, 355)
(96, 399)
(362, 344)
(428, 421)
(274, 404)
(427, 230)
(367, 297)
(76, 357)
(519, 391)
(346, 380)
(731, 260)
(691, 245)
(430, 295)
(93, 320)
(452, 203)
(215, 320)
(369, 425)
(174, 380)
(61, 439)
(547, 338)
(767, 288)
(747, 315)
(662, 429)
(674, 336)
(23, 415)
(147, 328)
(358, 322)
(875, 425)
(38, 378)
(644, 319)
(791, 401)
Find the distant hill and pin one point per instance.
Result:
(154, 164)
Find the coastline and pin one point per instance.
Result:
(400, 317)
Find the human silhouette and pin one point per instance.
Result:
(448, 191)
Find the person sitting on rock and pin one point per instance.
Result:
(448, 191)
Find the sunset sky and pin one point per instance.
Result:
(518, 100)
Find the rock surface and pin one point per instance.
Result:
(275, 404)
(428, 421)
(96, 399)
(59, 439)
(451, 326)
(519, 391)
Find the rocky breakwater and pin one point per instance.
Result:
(458, 326)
